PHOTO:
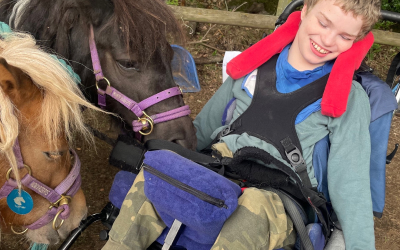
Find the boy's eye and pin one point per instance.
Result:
(322, 24)
(345, 38)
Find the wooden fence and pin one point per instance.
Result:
(257, 21)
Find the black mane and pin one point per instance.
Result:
(63, 26)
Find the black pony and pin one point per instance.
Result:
(131, 38)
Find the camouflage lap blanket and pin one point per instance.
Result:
(259, 222)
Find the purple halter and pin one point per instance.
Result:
(144, 122)
(58, 197)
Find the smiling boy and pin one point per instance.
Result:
(327, 29)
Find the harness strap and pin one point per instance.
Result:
(194, 156)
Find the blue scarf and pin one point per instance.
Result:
(290, 79)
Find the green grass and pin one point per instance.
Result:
(173, 2)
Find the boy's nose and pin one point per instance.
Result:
(328, 39)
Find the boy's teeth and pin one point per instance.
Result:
(319, 48)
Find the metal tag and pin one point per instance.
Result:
(20, 202)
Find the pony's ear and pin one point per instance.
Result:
(8, 77)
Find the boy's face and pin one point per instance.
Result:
(325, 32)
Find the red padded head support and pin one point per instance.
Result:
(334, 100)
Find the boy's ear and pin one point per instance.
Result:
(303, 12)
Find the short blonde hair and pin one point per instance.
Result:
(369, 10)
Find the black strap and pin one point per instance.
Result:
(297, 220)
(194, 156)
(394, 70)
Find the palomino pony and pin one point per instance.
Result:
(40, 108)
(134, 56)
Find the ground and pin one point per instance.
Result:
(97, 174)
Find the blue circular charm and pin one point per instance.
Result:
(20, 203)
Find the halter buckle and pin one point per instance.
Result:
(64, 200)
(149, 120)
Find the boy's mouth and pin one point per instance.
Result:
(319, 49)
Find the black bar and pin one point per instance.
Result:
(385, 14)
(77, 231)
(390, 16)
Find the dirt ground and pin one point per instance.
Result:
(97, 174)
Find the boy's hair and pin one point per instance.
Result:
(369, 10)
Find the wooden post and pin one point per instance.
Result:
(257, 21)
(224, 17)
(281, 6)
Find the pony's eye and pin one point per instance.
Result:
(128, 65)
(53, 155)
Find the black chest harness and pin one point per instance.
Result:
(271, 117)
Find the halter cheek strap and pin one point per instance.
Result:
(136, 108)
(68, 187)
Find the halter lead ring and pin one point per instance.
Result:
(18, 233)
(10, 170)
(146, 120)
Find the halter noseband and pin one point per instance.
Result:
(58, 197)
(144, 122)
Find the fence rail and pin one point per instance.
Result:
(257, 21)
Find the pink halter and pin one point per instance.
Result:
(143, 123)
(58, 197)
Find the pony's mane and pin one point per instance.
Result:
(60, 113)
(142, 25)
(145, 24)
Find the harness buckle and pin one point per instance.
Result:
(226, 131)
(296, 160)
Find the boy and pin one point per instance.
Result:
(328, 28)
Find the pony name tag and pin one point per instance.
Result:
(20, 203)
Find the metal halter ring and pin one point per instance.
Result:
(64, 200)
(108, 82)
(150, 121)
(19, 233)
(55, 219)
(10, 170)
